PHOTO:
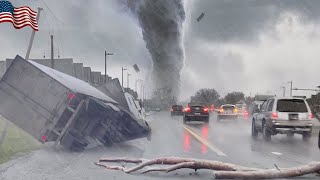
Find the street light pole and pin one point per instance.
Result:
(32, 35)
(128, 79)
(105, 64)
(290, 82)
(123, 69)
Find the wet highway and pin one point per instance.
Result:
(228, 141)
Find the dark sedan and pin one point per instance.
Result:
(177, 110)
(196, 112)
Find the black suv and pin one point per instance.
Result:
(196, 112)
(177, 110)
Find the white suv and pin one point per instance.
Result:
(283, 116)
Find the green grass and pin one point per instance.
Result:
(16, 143)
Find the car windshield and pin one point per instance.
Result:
(291, 105)
(177, 107)
(159, 89)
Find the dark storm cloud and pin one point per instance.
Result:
(244, 20)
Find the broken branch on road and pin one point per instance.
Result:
(221, 170)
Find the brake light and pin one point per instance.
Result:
(221, 110)
(70, 96)
(311, 116)
(235, 110)
(171, 109)
(44, 138)
(187, 109)
(274, 115)
(205, 109)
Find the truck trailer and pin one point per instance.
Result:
(55, 107)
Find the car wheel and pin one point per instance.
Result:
(306, 136)
(254, 132)
(266, 133)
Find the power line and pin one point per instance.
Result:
(51, 11)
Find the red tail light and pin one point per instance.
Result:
(274, 115)
(221, 110)
(171, 109)
(70, 96)
(311, 116)
(44, 138)
(246, 113)
(205, 110)
(187, 109)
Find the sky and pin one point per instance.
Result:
(250, 45)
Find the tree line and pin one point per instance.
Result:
(162, 98)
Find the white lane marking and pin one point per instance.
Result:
(277, 153)
(205, 142)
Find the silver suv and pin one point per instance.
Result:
(283, 116)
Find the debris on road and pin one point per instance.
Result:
(221, 170)
(55, 107)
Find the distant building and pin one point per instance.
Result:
(78, 70)
(64, 65)
(3, 68)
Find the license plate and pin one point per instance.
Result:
(228, 111)
(293, 117)
(197, 113)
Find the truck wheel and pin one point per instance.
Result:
(254, 132)
(266, 133)
(306, 136)
(107, 142)
(73, 142)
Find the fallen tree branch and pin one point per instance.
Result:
(171, 168)
(196, 164)
(270, 173)
(221, 170)
(119, 168)
(126, 160)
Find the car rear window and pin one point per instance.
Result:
(291, 105)
(228, 107)
(177, 107)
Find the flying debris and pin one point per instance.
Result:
(200, 17)
(136, 68)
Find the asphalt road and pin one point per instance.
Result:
(228, 141)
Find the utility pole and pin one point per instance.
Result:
(32, 35)
(52, 53)
(284, 90)
(290, 82)
(128, 79)
(123, 69)
(105, 64)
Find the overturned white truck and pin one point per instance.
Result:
(55, 107)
